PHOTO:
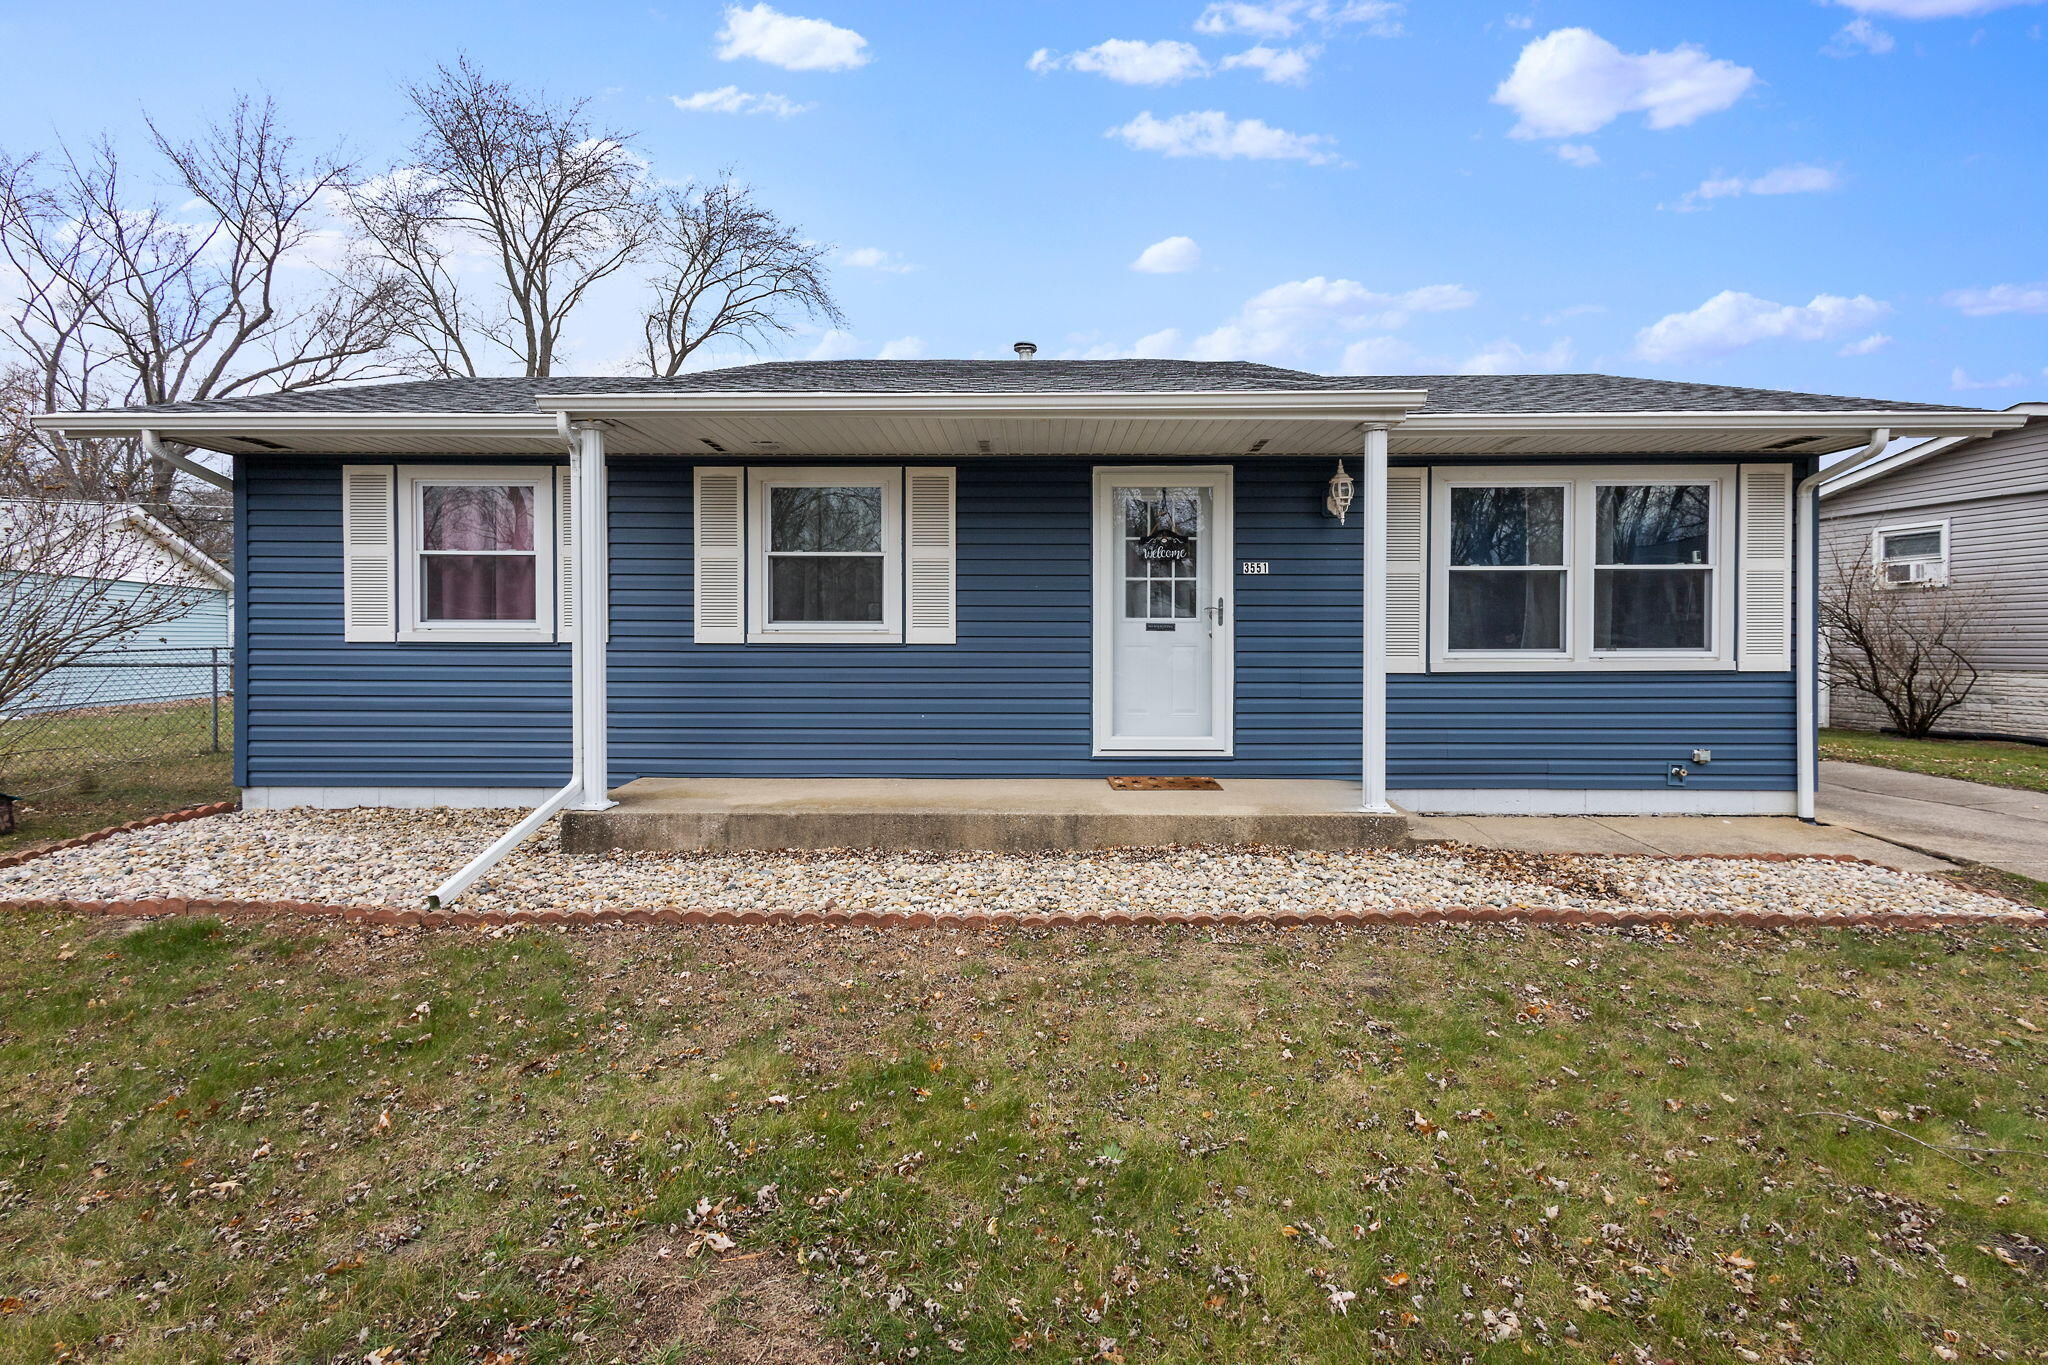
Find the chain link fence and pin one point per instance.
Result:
(118, 710)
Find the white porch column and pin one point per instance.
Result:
(1373, 513)
(590, 547)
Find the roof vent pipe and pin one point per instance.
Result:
(1025, 349)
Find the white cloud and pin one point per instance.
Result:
(785, 40)
(1959, 379)
(875, 258)
(1930, 9)
(1292, 319)
(1869, 345)
(1577, 154)
(730, 99)
(1282, 65)
(1520, 21)
(1128, 61)
(2000, 298)
(1163, 344)
(1731, 320)
(1284, 18)
(1171, 256)
(1573, 82)
(838, 344)
(1214, 133)
(1508, 357)
(1574, 311)
(1794, 179)
(1859, 36)
(1377, 355)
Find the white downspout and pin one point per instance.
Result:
(588, 769)
(1805, 612)
(1373, 739)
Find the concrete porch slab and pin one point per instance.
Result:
(1666, 835)
(1005, 816)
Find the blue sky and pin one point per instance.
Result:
(1841, 195)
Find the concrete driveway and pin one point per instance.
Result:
(1968, 821)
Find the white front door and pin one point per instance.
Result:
(1163, 614)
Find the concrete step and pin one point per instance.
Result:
(669, 815)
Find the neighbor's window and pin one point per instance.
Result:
(1582, 565)
(1913, 555)
(829, 556)
(1507, 575)
(476, 553)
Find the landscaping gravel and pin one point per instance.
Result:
(394, 857)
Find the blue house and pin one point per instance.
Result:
(1457, 593)
(123, 553)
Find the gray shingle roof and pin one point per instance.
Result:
(1448, 393)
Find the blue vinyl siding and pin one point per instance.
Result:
(1011, 698)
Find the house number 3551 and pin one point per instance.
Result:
(1254, 566)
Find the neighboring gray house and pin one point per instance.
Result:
(1969, 512)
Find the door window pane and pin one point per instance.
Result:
(1507, 526)
(1650, 608)
(825, 520)
(1506, 610)
(1162, 535)
(478, 587)
(476, 517)
(825, 588)
(1653, 523)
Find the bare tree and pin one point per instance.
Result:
(727, 267)
(118, 299)
(1907, 647)
(512, 187)
(55, 610)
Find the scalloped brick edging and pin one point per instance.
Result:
(175, 817)
(388, 916)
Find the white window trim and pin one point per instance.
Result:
(1581, 483)
(1880, 563)
(889, 630)
(413, 630)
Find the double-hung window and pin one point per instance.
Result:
(475, 554)
(828, 554)
(1912, 556)
(1622, 566)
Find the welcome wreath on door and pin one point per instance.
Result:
(1167, 542)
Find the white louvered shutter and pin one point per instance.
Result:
(721, 557)
(929, 558)
(1764, 601)
(565, 557)
(1407, 571)
(369, 554)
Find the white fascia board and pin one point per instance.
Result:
(1344, 405)
(1544, 423)
(297, 424)
(179, 548)
(1850, 475)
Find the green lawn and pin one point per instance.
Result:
(85, 772)
(1993, 762)
(1134, 1145)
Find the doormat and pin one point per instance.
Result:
(1166, 784)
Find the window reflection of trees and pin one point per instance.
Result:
(476, 517)
(828, 520)
(1507, 527)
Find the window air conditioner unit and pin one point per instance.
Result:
(1920, 573)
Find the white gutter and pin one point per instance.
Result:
(1805, 612)
(588, 767)
(154, 447)
(1818, 423)
(1337, 405)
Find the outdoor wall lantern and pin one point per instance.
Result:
(1337, 501)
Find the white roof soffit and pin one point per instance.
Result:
(1314, 421)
